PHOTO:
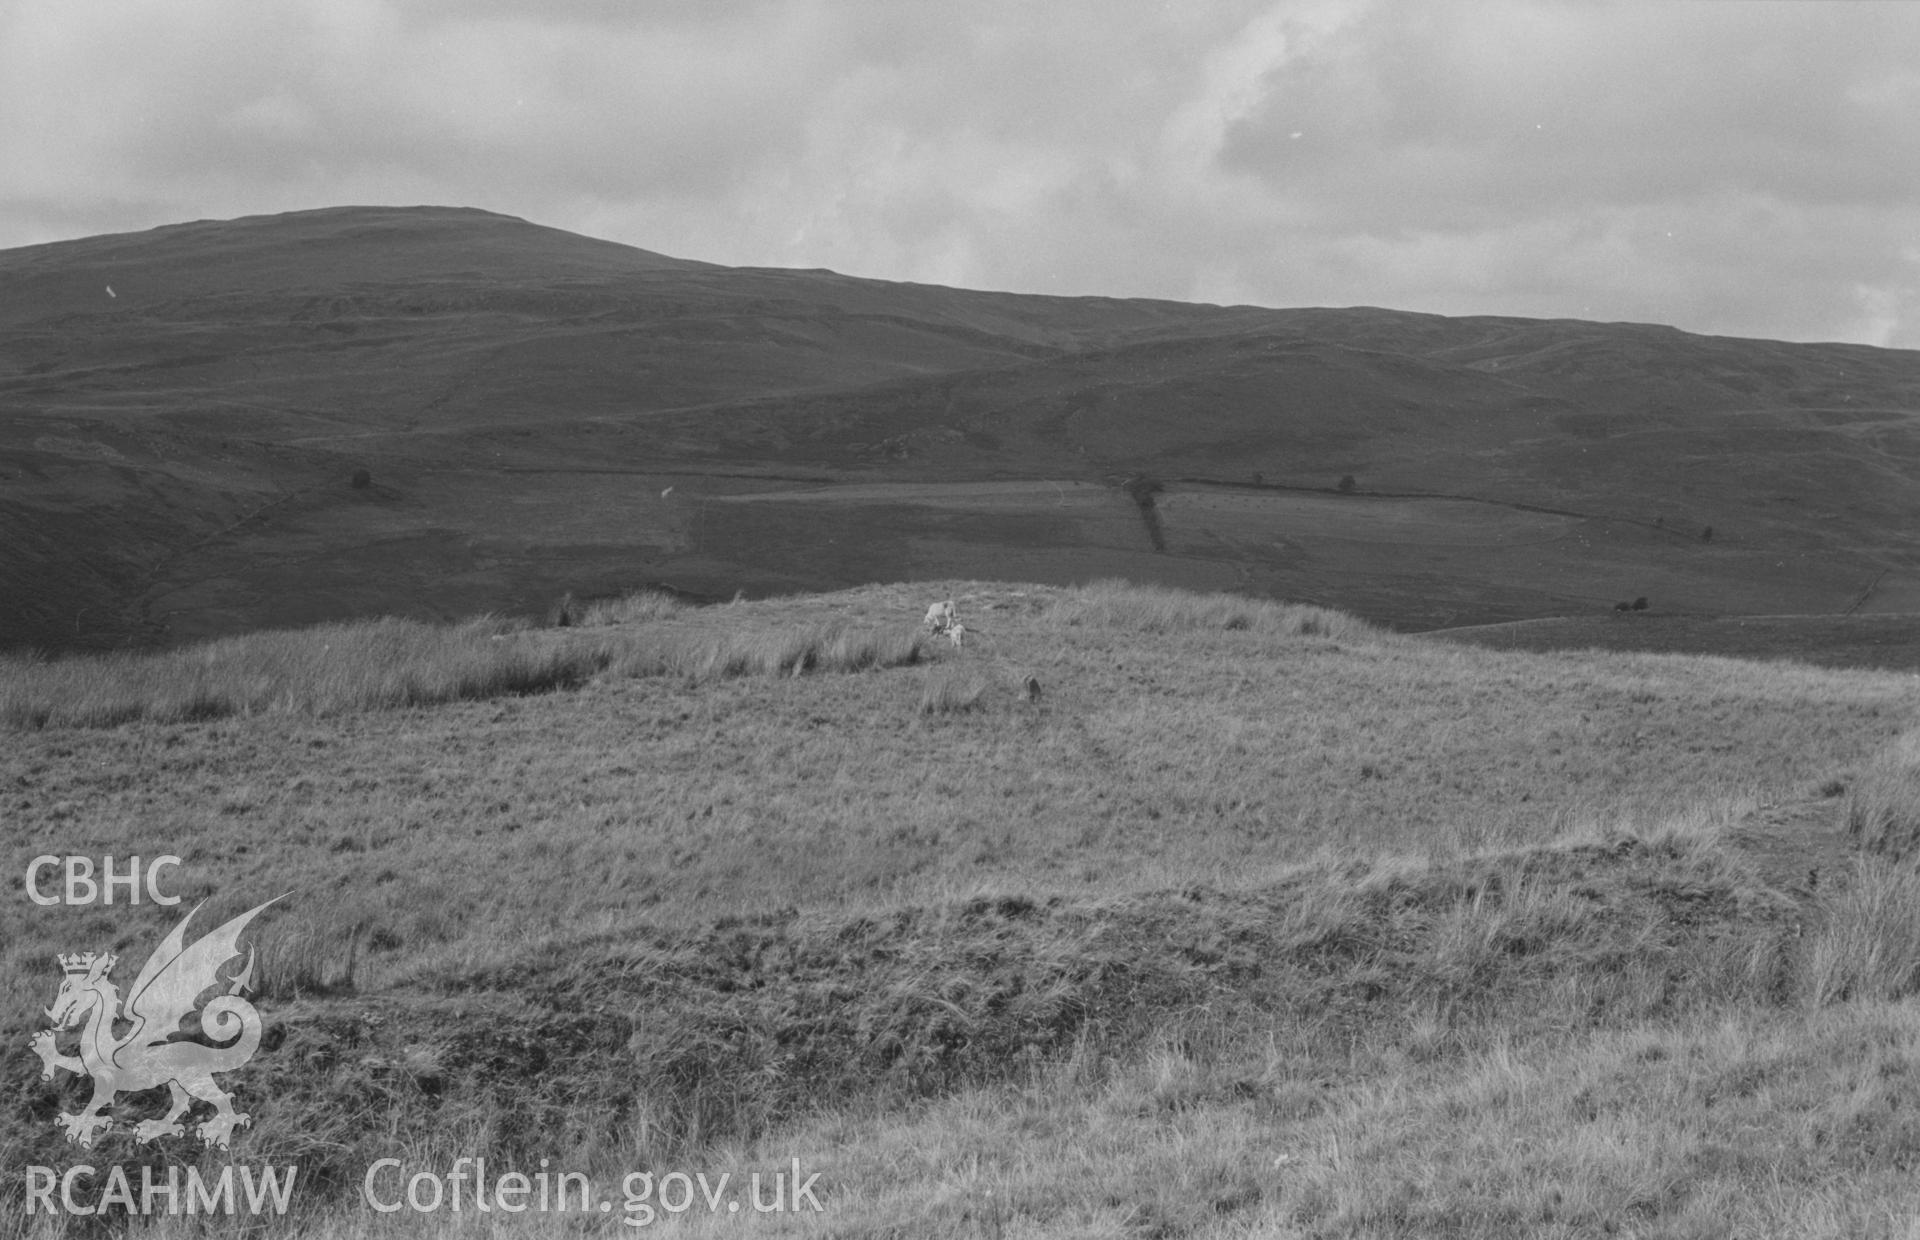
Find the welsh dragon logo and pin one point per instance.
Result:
(165, 993)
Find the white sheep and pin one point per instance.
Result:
(955, 633)
(940, 617)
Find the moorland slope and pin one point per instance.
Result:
(185, 413)
(1256, 921)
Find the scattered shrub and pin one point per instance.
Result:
(362, 479)
(1347, 484)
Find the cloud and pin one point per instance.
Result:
(1728, 167)
(1731, 167)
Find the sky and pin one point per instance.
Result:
(1722, 166)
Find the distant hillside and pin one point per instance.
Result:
(527, 412)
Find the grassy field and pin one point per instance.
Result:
(1257, 921)
(1887, 642)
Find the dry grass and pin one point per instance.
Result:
(664, 1046)
(369, 665)
(392, 664)
(946, 690)
(1503, 1046)
(1236, 890)
(1161, 609)
(1867, 945)
(1883, 805)
(634, 608)
(1716, 1126)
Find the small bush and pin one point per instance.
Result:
(362, 479)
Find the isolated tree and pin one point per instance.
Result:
(1143, 487)
(1347, 484)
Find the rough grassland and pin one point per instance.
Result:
(1256, 922)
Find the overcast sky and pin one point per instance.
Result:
(1727, 167)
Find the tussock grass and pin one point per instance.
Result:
(1162, 609)
(394, 663)
(1867, 945)
(699, 656)
(308, 955)
(953, 688)
(635, 608)
(1883, 805)
(377, 664)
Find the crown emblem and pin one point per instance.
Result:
(83, 962)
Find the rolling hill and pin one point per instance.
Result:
(223, 425)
